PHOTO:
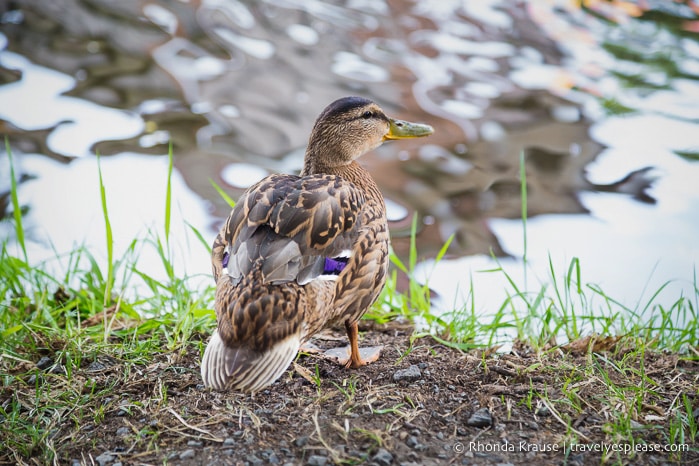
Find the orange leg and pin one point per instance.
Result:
(355, 360)
(352, 356)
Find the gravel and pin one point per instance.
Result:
(410, 374)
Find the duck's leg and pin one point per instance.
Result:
(352, 356)
(355, 360)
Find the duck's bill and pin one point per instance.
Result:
(404, 130)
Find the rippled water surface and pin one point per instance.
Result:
(602, 103)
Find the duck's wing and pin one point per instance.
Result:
(285, 231)
(291, 225)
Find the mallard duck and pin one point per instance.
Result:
(301, 253)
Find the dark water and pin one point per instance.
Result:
(602, 102)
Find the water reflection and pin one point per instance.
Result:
(237, 85)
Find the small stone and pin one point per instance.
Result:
(542, 410)
(58, 369)
(95, 366)
(104, 459)
(187, 454)
(410, 374)
(422, 365)
(75, 462)
(301, 441)
(122, 431)
(317, 460)
(44, 363)
(481, 418)
(195, 443)
(229, 441)
(383, 457)
(118, 463)
(254, 460)
(412, 441)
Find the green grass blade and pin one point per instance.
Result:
(109, 282)
(222, 193)
(523, 183)
(17, 211)
(168, 195)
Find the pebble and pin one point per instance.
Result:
(317, 460)
(195, 443)
(410, 374)
(187, 454)
(412, 441)
(254, 460)
(95, 366)
(229, 441)
(383, 457)
(301, 441)
(104, 459)
(481, 418)
(121, 431)
(542, 410)
(44, 363)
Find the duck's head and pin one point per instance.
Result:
(350, 127)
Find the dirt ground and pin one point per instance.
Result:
(427, 406)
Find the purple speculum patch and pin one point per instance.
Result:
(334, 266)
(224, 262)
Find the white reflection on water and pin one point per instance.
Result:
(36, 102)
(628, 249)
(65, 210)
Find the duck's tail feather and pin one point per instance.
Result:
(245, 369)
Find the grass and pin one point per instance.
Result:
(81, 316)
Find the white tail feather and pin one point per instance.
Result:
(243, 369)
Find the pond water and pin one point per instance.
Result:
(601, 102)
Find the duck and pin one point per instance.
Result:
(300, 253)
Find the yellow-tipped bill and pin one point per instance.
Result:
(404, 129)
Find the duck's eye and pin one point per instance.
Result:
(367, 115)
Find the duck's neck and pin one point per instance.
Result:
(352, 172)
